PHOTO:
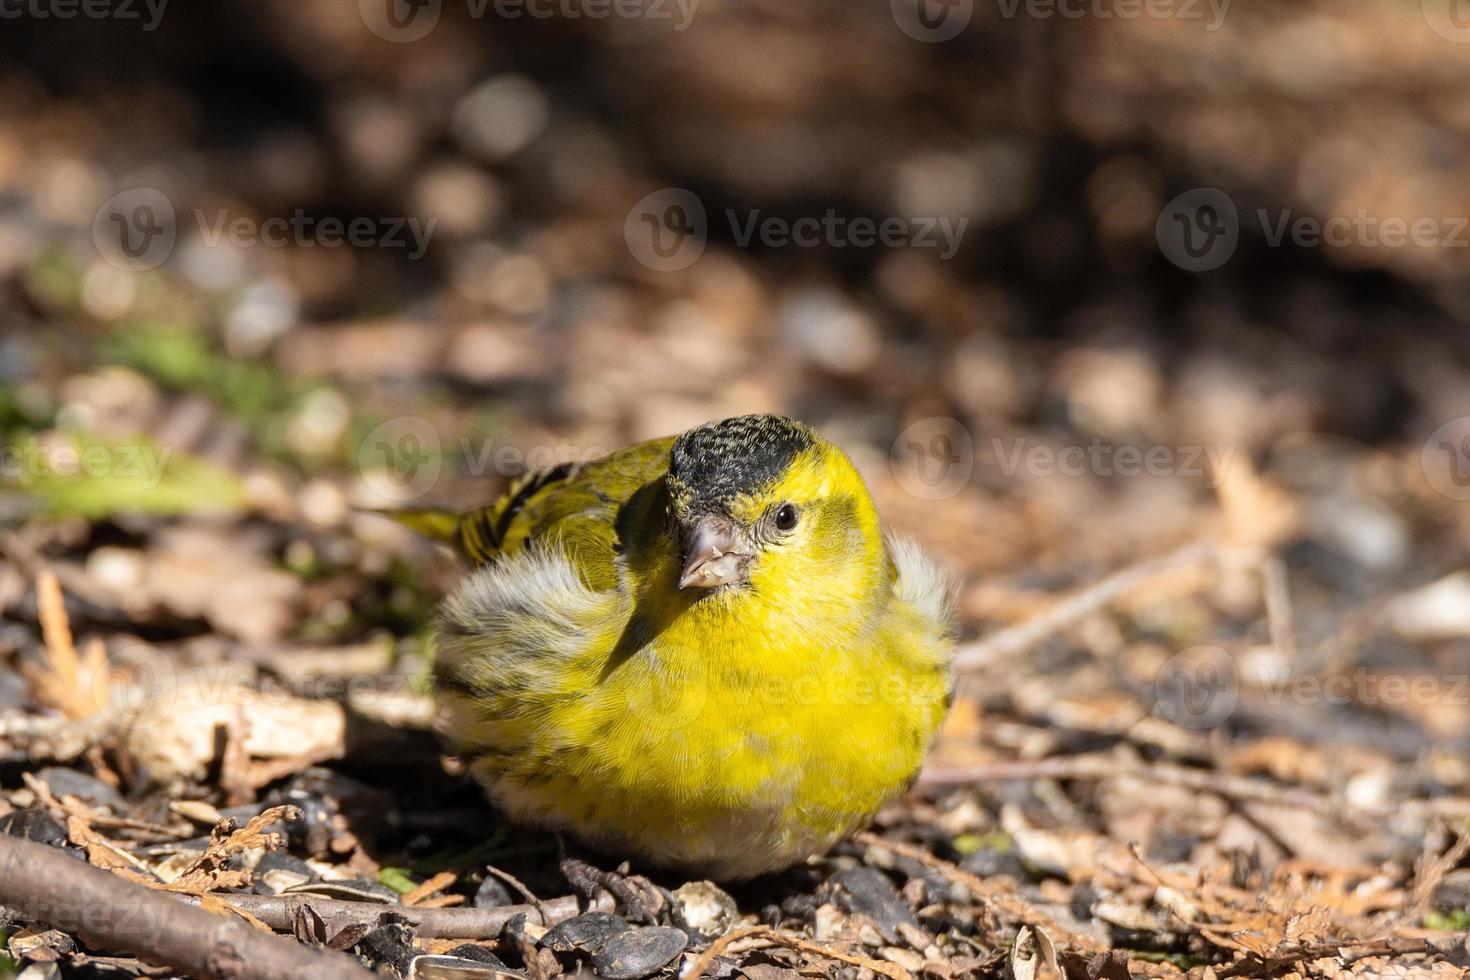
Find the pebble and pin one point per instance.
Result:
(703, 909)
(869, 891)
(35, 824)
(492, 893)
(274, 873)
(588, 932)
(639, 952)
(500, 117)
(90, 790)
(829, 330)
(1453, 891)
(1438, 611)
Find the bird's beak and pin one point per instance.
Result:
(711, 555)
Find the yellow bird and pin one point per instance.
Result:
(699, 650)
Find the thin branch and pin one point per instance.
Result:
(1015, 640)
(1231, 786)
(42, 884)
(280, 911)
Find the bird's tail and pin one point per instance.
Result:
(435, 524)
(475, 535)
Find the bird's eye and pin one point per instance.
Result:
(786, 517)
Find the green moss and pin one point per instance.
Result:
(1456, 920)
(398, 879)
(79, 475)
(996, 840)
(182, 359)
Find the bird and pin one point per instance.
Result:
(701, 651)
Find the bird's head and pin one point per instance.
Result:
(764, 503)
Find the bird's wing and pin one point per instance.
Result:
(577, 505)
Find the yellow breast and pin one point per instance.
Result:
(732, 742)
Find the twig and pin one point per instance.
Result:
(799, 943)
(1015, 640)
(430, 887)
(280, 911)
(1280, 620)
(1103, 767)
(713, 951)
(44, 885)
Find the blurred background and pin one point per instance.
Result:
(1076, 283)
(252, 234)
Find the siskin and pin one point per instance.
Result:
(700, 650)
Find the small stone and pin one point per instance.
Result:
(492, 894)
(323, 503)
(35, 824)
(906, 958)
(90, 790)
(1438, 611)
(500, 117)
(1453, 892)
(274, 873)
(869, 892)
(588, 932)
(703, 909)
(639, 952)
